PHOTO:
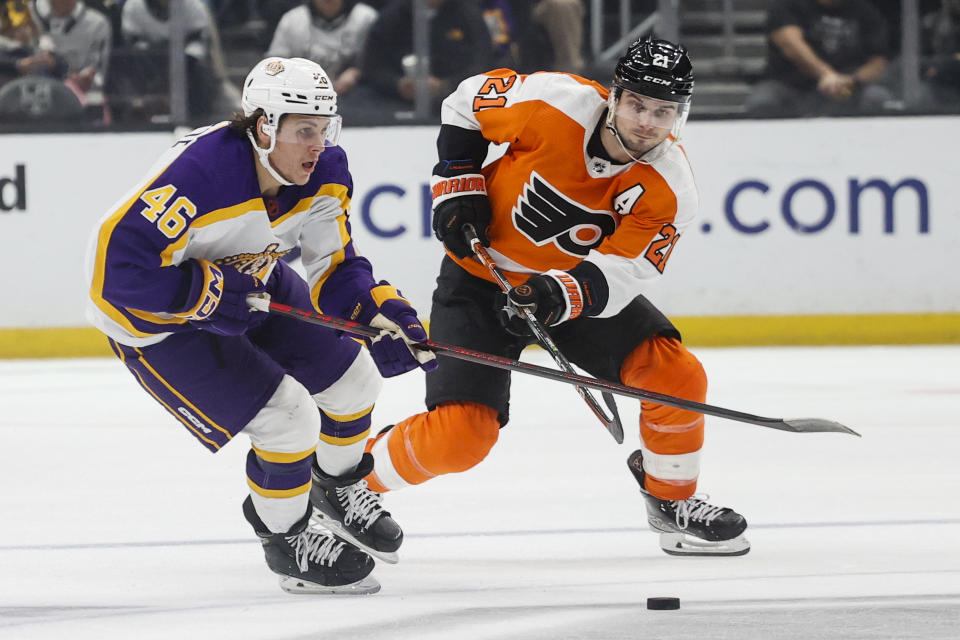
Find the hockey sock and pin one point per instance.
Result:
(672, 437)
(342, 438)
(279, 486)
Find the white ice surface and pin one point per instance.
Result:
(114, 523)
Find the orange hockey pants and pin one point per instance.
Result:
(456, 436)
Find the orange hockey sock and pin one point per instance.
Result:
(672, 437)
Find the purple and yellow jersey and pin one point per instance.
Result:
(202, 200)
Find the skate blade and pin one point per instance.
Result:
(320, 519)
(680, 544)
(365, 586)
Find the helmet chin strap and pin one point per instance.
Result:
(612, 128)
(264, 154)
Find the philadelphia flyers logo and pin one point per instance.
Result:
(524, 290)
(544, 216)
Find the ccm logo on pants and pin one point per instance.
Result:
(194, 420)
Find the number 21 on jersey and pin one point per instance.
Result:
(659, 250)
(496, 86)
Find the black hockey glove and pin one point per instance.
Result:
(554, 297)
(458, 201)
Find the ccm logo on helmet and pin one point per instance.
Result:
(655, 80)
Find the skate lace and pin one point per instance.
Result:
(321, 548)
(696, 509)
(362, 505)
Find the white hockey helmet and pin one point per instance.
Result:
(283, 86)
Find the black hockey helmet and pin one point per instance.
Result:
(656, 68)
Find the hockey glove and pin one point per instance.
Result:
(217, 298)
(458, 201)
(394, 350)
(554, 297)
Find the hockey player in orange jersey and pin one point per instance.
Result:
(586, 206)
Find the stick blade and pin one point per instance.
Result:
(615, 427)
(613, 424)
(616, 430)
(816, 425)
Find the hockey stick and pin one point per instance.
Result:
(799, 425)
(613, 424)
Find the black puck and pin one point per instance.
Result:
(663, 604)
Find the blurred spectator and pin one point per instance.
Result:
(139, 81)
(503, 28)
(941, 53)
(460, 46)
(113, 9)
(31, 71)
(82, 37)
(545, 34)
(146, 24)
(824, 57)
(253, 20)
(563, 22)
(329, 32)
(19, 39)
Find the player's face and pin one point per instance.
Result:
(644, 122)
(300, 141)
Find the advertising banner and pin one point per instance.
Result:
(801, 217)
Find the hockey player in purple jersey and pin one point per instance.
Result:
(170, 267)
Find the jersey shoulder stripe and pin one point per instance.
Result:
(675, 169)
(500, 103)
(575, 97)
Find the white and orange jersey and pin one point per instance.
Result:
(554, 204)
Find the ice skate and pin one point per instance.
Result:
(691, 527)
(345, 506)
(310, 560)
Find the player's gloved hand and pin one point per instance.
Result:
(458, 201)
(394, 350)
(553, 297)
(215, 297)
